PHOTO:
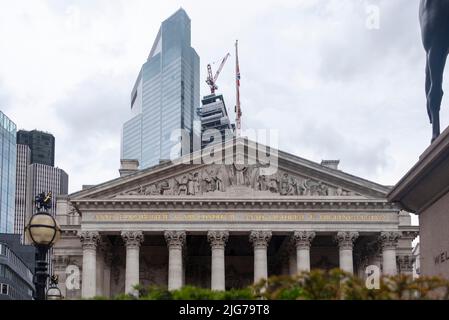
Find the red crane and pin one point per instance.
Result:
(212, 80)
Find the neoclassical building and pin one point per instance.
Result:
(226, 224)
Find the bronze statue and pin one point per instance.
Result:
(434, 20)
(43, 201)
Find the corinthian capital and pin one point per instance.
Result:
(389, 240)
(175, 239)
(89, 239)
(303, 239)
(260, 239)
(346, 240)
(132, 239)
(217, 239)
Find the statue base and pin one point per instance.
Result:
(424, 190)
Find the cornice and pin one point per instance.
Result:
(292, 204)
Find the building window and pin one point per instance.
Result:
(4, 289)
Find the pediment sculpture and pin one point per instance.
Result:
(217, 179)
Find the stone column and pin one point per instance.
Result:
(175, 242)
(302, 241)
(284, 260)
(292, 262)
(107, 273)
(184, 264)
(345, 242)
(260, 240)
(100, 270)
(388, 242)
(133, 240)
(217, 240)
(89, 242)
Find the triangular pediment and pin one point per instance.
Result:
(293, 177)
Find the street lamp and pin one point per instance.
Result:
(43, 231)
(53, 292)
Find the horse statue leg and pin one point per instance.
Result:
(436, 60)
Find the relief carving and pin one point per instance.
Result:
(219, 178)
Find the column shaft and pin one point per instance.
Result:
(132, 269)
(174, 268)
(293, 263)
(218, 269)
(175, 241)
(107, 270)
(346, 260)
(389, 261)
(345, 242)
(303, 259)
(302, 241)
(260, 264)
(388, 242)
(217, 240)
(260, 240)
(89, 241)
(99, 273)
(133, 240)
(107, 281)
(89, 278)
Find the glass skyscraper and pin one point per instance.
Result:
(165, 96)
(42, 146)
(8, 153)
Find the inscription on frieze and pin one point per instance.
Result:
(240, 217)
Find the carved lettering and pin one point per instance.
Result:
(266, 217)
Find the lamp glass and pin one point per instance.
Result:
(43, 230)
(53, 293)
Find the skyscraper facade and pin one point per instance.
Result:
(44, 178)
(42, 146)
(22, 188)
(8, 133)
(165, 96)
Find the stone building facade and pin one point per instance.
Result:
(226, 225)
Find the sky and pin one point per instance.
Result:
(337, 82)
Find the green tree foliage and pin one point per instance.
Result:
(339, 285)
(314, 285)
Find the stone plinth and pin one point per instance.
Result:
(424, 190)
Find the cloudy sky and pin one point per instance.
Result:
(319, 71)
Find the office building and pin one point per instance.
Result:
(8, 131)
(42, 146)
(44, 178)
(165, 96)
(16, 268)
(23, 192)
(214, 116)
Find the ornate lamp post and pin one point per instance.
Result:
(43, 231)
(53, 292)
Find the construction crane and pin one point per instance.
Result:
(238, 109)
(212, 80)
